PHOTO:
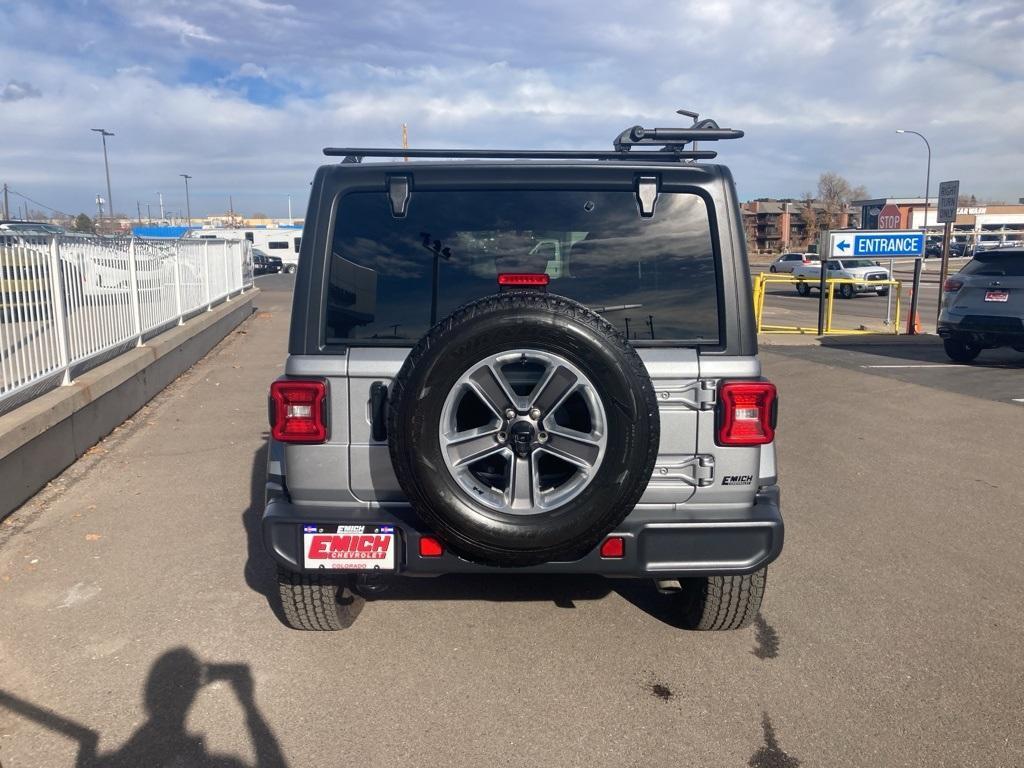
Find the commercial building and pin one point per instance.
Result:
(987, 225)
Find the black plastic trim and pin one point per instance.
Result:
(752, 538)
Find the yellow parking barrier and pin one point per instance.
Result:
(762, 280)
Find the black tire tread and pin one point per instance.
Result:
(313, 603)
(959, 351)
(718, 603)
(513, 301)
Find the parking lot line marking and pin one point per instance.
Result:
(922, 365)
(1017, 399)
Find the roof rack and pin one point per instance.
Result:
(672, 143)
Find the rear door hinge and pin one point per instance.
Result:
(647, 195)
(399, 190)
(704, 471)
(707, 394)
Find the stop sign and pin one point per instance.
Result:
(889, 217)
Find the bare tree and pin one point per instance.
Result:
(809, 217)
(750, 230)
(834, 194)
(860, 192)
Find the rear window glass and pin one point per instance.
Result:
(1004, 264)
(391, 279)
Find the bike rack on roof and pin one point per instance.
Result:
(672, 143)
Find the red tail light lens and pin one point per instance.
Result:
(523, 278)
(613, 548)
(430, 547)
(297, 411)
(746, 413)
(952, 284)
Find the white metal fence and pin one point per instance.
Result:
(68, 303)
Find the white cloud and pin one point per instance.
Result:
(816, 85)
(248, 69)
(16, 90)
(175, 25)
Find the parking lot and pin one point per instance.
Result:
(138, 618)
(784, 307)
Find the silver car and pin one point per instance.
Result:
(787, 262)
(983, 305)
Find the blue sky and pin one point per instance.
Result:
(243, 94)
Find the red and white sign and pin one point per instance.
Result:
(889, 218)
(349, 550)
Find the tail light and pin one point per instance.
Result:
(746, 412)
(952, 284)
(298, 411)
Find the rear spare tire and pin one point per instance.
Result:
(523, 428)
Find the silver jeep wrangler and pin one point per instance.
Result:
(524, 362)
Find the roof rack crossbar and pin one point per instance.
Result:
(672, 142)
(357, 153)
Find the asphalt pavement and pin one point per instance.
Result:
(137, 628)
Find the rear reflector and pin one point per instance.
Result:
(614, 547)
(952, 284)
(523, 278)
(746, 413)
(297, 411)
(430, 547)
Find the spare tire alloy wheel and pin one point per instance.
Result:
(523, 428)
(523, 432)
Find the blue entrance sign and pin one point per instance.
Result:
(877, 244)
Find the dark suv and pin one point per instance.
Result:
(524, 362)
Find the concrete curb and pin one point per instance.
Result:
(40, 439)
(853, 340)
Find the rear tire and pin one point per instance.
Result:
(717, 603)
(960, 351)
(290, 269)
(803, 289)
(314, 603)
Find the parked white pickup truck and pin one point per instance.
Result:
(857, 269)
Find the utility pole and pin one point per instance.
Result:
(7, 210)
(405, 139)
(103, 132)
(149, 214)
(231, 209)
(99, 207)
(290, 219)
(188, 205)
(138, 207)
(161, 196)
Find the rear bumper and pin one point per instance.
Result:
(987, 330)
(659, 543)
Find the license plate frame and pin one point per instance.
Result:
(997, 294)
(350, 547)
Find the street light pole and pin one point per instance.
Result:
(103, 132)
(928, 175)
(188, 205)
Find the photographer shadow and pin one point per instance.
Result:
(171, 688)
